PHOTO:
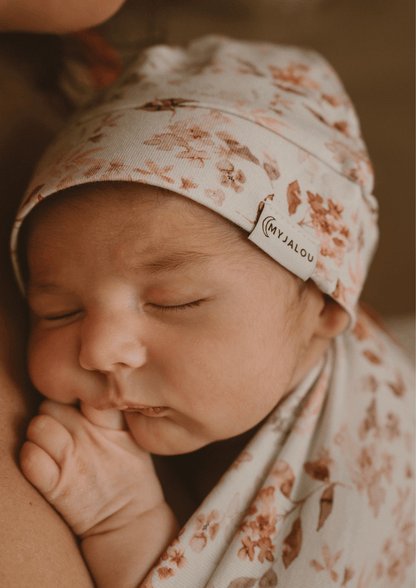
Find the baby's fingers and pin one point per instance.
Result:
(51, 436)
(65, 414)
(38, 467)
(109, 419)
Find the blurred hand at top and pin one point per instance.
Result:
(55, 16)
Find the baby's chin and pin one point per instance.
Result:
(163, 436)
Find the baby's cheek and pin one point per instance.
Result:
(49, 364)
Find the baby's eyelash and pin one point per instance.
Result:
(178, 306)
(61, 316)
(161, 308)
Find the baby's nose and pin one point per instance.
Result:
(109, 343)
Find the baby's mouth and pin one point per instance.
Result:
(152, 411)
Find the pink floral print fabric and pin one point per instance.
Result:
(323, 494)
(232, 125)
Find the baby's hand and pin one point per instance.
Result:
(93, 473)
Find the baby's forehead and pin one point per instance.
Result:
(132, 206)
(148, 236)
(134, 217)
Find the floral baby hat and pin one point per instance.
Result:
(263, 134)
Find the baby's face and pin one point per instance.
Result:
(161, 309)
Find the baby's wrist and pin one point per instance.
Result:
(125, 554)
(128, 514)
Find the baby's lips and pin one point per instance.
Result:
(109, 419)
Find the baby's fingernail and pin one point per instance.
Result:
(40, 423)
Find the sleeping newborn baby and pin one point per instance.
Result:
(193, 282)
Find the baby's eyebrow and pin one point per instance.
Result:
(174, 260)
(165, 262)
(42, 288)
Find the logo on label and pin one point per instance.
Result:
(270, 228)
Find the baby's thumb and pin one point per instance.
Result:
(109, 419)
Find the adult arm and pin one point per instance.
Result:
(37, 549)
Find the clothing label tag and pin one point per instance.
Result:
(285, 242)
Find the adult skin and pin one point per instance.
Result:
(55, 16)
(37, 549)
